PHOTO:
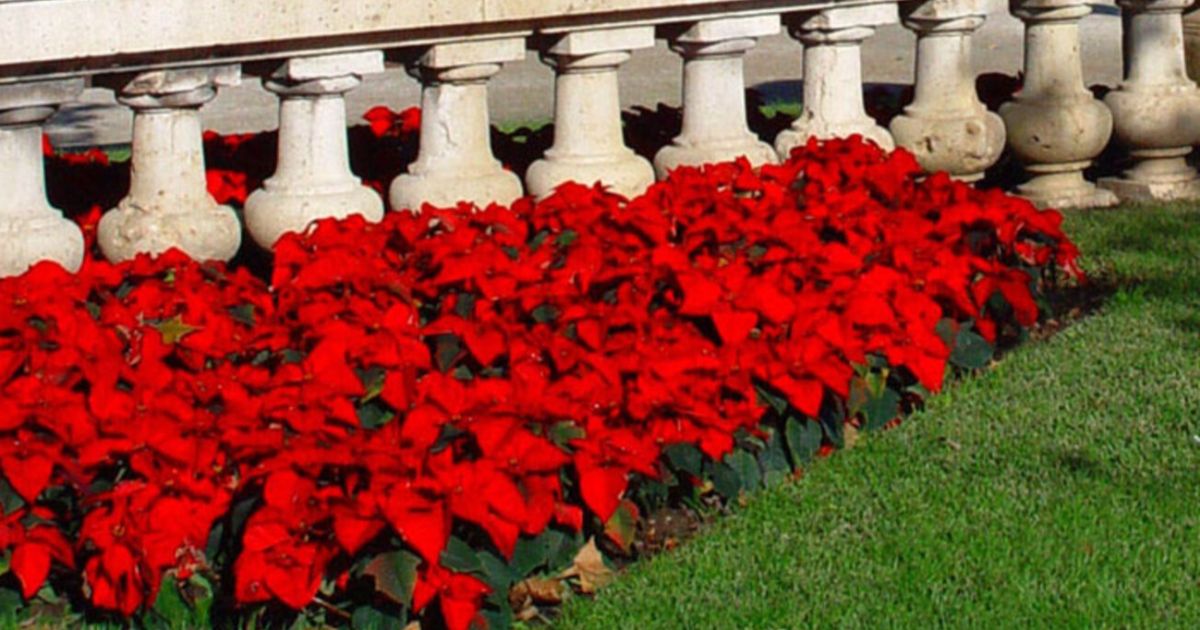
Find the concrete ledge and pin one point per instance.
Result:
(44, 38)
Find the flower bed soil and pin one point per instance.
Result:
(450, 416)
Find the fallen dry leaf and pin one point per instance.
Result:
(536, 590)
(589, 568)
(851, 435)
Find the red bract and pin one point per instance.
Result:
(488, 373)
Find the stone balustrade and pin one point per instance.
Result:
(167, 58)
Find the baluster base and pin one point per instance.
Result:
(1065, 189)
(802, 130)
(271, 211)
(1162, 177)
(442, 189)
(204, 232)
(677, 154)
(29, 241)
(964, 145)
(626, 174)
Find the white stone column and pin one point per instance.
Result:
(946, 127)
(168, 204)
(312, 177)
(31, 230)
(1055, 126)
(714, 103)
(1156, 110)
(833, 86)
(455, 162)
(588, 141)
(1191, 43)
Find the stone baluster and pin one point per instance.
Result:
(31, 230)
(946, 127)
(589, 145)
(1191, 43)
(312, 177)
(455, 162)
(833, 98)
(1156, 110)
(714, 104)
(1055, 126)
(168, 204)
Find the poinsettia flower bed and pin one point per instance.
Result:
(407, 419)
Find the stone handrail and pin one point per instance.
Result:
(67, 37)
(164, 59)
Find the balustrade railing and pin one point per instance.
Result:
(165, 59)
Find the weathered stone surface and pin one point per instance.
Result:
(31, 230)
(312, 177)
(1191, 42)
(588, 143)
(168, 204)
(714, 108)
(58, 35)
(1055, 126)
(455, 162)
(833, 99)
(946, 127)
(1156, 110)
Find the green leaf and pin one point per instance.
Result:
(686, 458)
(832, 427)
(545, 314)
(773, 460)
(373, 416)
(621, 527)
(215, 536)
(561, 548)
(10, 501)
(465, 306)
(725, 481)
(395, 574)
(881, 410)
(531, 553)
(459, 556)
(367, 617)
(803, 439)
(747, 469)
(172, 330)
(170, 605)
(767, 397)
(971, 351)
(10, 600)
(945, 329)
(243, 314)
(563, 432)
(567, 237)
(499, 619)
(448, 349)
(538, 239)
(5, 561)
(449, 434)
(497, 573)
(372, 379)
(124, 290)
(200, 594)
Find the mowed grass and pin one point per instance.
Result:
(1059, 488)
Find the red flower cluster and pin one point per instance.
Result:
(473, 375)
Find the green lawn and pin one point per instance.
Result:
(1060, 488)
